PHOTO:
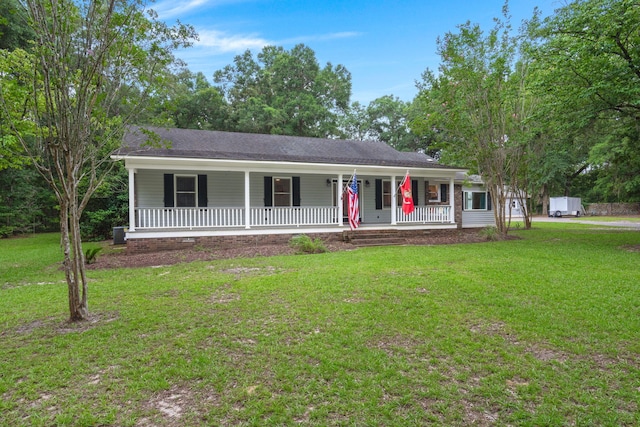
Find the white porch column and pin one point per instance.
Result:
(339, 196)
(394, 201)
(247, 201)
(452, 201)
(132, 200)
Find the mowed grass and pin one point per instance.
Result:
(544, 330)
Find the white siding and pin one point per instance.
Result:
(477, 218)
(225, 189)
(150, 188)
(473, 219)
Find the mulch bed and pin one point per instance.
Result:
(120, 259)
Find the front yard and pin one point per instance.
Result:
(544, 330)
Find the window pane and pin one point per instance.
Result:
(281, 192)
(186, 183)
(185, 200)
(468, 199)
(281, 185)
(433, 192)
(475, 200)
(479, 201)
(281, 200)
(386, 194)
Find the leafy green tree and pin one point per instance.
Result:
(353, 123)
(388, 121)
(14, 80)
(199, 105)
(588, 51)
(284, 92)
(26, 202)
(479, 105)
(87, 51)
(108, 207)
(14, 29)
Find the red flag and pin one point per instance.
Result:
(354, 209)
(407, 197)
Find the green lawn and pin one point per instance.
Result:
(540, 331)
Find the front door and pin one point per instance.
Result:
(345, 198)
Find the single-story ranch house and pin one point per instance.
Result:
(193, 187)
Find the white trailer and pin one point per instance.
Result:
(561, 206)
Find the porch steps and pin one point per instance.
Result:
(373, 238)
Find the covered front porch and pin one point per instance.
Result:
(160, 218)
(212, 200)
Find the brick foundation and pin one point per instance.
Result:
(217, 242)
(136, 246)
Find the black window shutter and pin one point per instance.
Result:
(296, 190)
(168, 190)
(202, 191)
(378, 194)
(268, 191)
(443, 192)
(414, 191)
(488, 201)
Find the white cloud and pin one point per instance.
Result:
(223, 42)
(171, 8)
(168, 9)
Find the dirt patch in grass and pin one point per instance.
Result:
(176, 407)
(56, 327)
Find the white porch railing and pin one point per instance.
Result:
(425, 214)
(234, 217)
(189, 217)
(322, 215)
(209, 217)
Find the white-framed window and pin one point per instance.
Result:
(475, 201)
(282, 194)
(432, 192)
(186, 195)
(387, 194)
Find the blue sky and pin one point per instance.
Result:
(386, 45)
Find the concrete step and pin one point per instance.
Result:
(381, 241)
(373, 238)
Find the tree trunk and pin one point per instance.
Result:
(73, 261)
(545, 200)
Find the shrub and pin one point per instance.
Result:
(91, 255)
(6, 231)
(490, 233)
(303, 244)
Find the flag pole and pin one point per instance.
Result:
(403, 180)
(344, 187)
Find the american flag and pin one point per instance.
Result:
(354, 210)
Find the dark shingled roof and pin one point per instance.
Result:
(200, 144)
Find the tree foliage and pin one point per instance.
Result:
(284, 92)
(588, 51)
(86, 57)
(14, 30)
(478, 104)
